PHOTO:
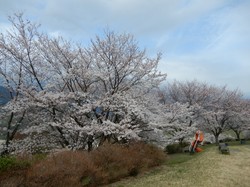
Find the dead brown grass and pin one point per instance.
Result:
(106, 164)
(119, 161)
(64, 169)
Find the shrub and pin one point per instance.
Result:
(118, 161)
(149, 154)
(12, 163)
(6, 163)
(207, 142)
(229, 139)
(106, 164)
(175, 148)
(64, 169)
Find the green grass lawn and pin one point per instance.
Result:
(207, 169)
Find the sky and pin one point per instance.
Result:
(203, 40)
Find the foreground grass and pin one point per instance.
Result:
(206, 169)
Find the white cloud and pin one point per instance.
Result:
(223, 59)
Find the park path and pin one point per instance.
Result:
(209, 169)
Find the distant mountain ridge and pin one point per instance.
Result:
(4, 95)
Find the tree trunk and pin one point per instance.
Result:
(90, 142)
(8, 130)
(216, 139)
(237, 134)
(10, 135)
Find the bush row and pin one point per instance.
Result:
(106, 164)
(176, 147)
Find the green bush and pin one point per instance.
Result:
(6, 163)
(175, 148)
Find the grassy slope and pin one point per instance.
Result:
(207, 169)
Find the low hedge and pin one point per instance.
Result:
(176, 147)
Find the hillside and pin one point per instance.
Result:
(207, 169)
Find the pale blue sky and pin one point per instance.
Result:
(207, 40)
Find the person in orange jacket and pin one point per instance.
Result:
(199, 137)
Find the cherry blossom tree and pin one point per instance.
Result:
(69, 96)
(191, 92)
(183, 101)
(216, 106)
(218, 112)
(240, 119)
(181, 121)
(120, 65)
(18, 67)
